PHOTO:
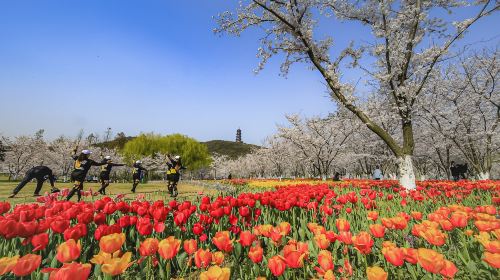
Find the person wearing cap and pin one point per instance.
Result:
(82, 166)
(41, 174)
(105, 172)
(174, 165)
(137, 174)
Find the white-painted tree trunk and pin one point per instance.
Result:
(483, 175)
(406, 172)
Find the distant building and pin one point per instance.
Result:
(238, 136)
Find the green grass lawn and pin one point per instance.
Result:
(151, 191)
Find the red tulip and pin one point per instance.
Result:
(40, 241)
(246, 238)
(276, 265)
(59, 225)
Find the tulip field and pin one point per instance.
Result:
(354, 229)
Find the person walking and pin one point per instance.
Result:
(137, 174)
(377, 173)
(105, 172)
(455, 171)
(41, 174)
(174, 165)
(82, 166)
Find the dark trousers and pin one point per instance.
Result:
(26, 180)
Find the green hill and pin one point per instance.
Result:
(229, 148)
(221, 147)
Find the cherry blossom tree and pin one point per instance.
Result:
(463, 110)
(408, 39)
(24, 152)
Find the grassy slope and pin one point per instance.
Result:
(151, 191)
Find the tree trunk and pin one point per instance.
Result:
(406, 173)
(483, 175)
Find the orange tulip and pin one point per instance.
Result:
(148, 247)
(7, 264)
(388, 244)
(202, 258)
(302, 247)
(411, 255)
(492, 259)
(284, 228)
(223, 241)
(276, 265)
(190, 246)
(416, 215)
(321, 241)
(112, 242)
(325, 260)
(216, 273)
(255, 254)
(68, 251)
(329, 275)
(372, 215)
(434, 236)
(294, 259)
(449, 269)
(376, 273)
(394, 255)
(377, 230)
(459, 219)
(74, 271)
(487, 225)
(315, 228)
(342, 225)
(399, 222)
(218, 258)
(246, 238)
(116, 266)
(169, 247)
(492, 246)
(26, 265)
(263, 230)
(363, 242)
(431, 260)
(446, 225)
(387, 222)
(345, 237)
(276, 235)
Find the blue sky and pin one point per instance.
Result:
(142, 66)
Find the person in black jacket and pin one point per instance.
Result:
(454, 171)
(137, 174)
(105, 172)
(174, 166)
(82, 166)
(40, 173)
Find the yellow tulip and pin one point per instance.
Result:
(116, 266)
(216, 273)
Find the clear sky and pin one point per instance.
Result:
(143, 66)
